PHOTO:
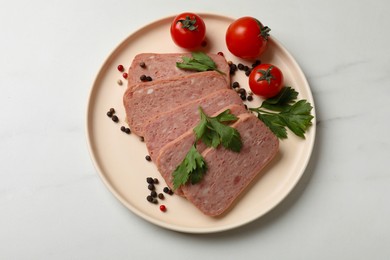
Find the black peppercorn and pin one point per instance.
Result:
(151, 186)
(153, 194)
(115, 119)
(149, 180)
(142, 77)
(250, 98)
(147, 157)
(142, 64)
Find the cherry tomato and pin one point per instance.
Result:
(247, 38)
(266, 80)
(188, 30)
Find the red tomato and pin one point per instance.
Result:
(247, 38)
(188, 30)
(266, 80)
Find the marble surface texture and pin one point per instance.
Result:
(53, 205)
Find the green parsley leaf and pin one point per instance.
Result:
(291, 114)
(298, 117)
(199, 62)
(275, 123)
(278, 103)
(213, 132)
(192, 169)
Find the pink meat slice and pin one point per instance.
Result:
(150, 99)
(160, 66)
(229, 173)
(173, 153)
(168, 126)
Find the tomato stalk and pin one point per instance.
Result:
(266, 75)
(188, 23)
(264, 30)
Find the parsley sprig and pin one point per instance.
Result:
(213, 132)
(191, 169)
(198, 62)
(284, 111)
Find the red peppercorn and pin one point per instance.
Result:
(125, 75)
(121, 68)
(163, 208)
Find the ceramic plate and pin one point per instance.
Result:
(120, 158)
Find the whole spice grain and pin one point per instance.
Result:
(115, 118)
(121, 68)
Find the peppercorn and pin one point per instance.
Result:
(240, 66)
(233, 67)
(119, 82)
(125, 75)
(149, 180)
(235, 84)
(161, 196)
(142, 64)
(242, 91)
(153, 194)
(123, 128)
(148, 78)
(246, 68)
(142, 77)
(155, 180)
(109, 114)
(115, 119)
(147, 157)
(149, 198)
(248, 72)
(163, 208)
(142, 139)
(257, 62)
(166, 190)
(151, 186)
(112, 110)
(243, 97)
(127, 130)
(249, 98)
(121, 68)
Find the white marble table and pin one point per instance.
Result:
(53, 205)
